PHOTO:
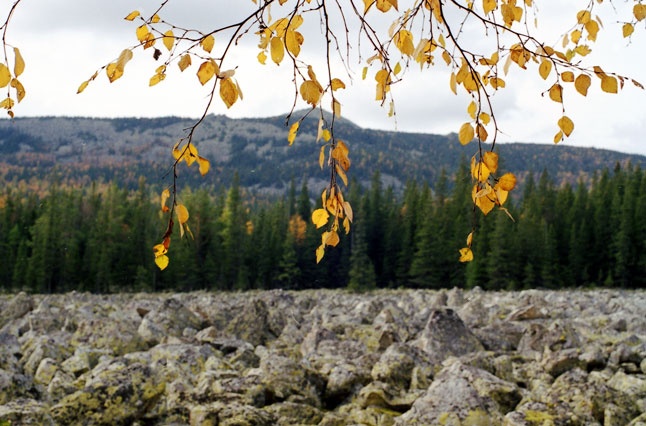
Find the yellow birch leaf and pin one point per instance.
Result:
(501, 194)
(182, 213)
(292, 132)
(310, 92)
(593, 28)
(19, 65)
(556, 93)
(383, 5)
(341, 173)
(346, 225)
(159, 250)
(162, 261)
(567, 76)
(482, 199)
(7, 103)
(156, 79)
(471, 109)
(545, 68)
(470, 239)
(639, 10)
(466, 133)
(184, 62)
(322, 156)
(20, 90)
(507, 182)
(82, 87)
(132, 15)
(404, 42)
(582, 49)
(113, 72)
(336, 84)
(169, 39)
(628, 29)
(336, 108)
(5, 75)
(479, 170)
(566, 125)
(347, 208)
(332, 238)
(163, 198)
(488, 6)
(481, 132)
(228, 91)
(491, 161)
(262, 58)
(155, 19)
(207, 43)
(364, 73)
(204, 165)
(453, 84)
(609, 84)
(293, 40)
(485, 118)
(582, 83)
(558, 137)
(206, 71)
(142, 33)
(277, 50)
(398, 68)
(466, 255)
(320, 251)
(497, 83)
(320, 217)
(583, 16)
(575, 36)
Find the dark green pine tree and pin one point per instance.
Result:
(234, 232)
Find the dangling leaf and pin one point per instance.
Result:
(320, 217)
(292, 133)
(207, 43)
(466, 255)
(206, 71)
(320, 252)
(19, 65)
(204, 165)
(566, 125)
(466, 133)
(20, 90)
(545, 68)
(228, 92)
(277, 50)
(311, 92)
(582, 83)
(184, 62)
(169, 39)
(609, 84)
(491, 160)
(5, 75)
(556, 93)
(132, 15)
(507, 181)
(164, 197)
(182, 213)
(162, 262)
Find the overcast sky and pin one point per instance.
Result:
(64, 43)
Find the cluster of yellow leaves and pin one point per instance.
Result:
(337, 208)
(7, 79)
(334, 205)
(188, 154)
(181, 213)
(281, 36)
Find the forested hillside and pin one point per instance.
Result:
(99, 237)
(77, 151)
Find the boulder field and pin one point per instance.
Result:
(323, 357)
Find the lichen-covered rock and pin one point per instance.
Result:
(171, 318)
(446, 335)
(115, 393)
(27, 412)
(461, 394)
(251, 324)
(287, 380)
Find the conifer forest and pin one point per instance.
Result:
(97, 238)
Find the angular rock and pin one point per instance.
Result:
(461, 394)
(446, 335)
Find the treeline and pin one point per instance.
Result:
(100, 238)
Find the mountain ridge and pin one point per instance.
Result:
(79, 149)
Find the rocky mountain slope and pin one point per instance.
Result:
(325, 358)
(79, 149)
